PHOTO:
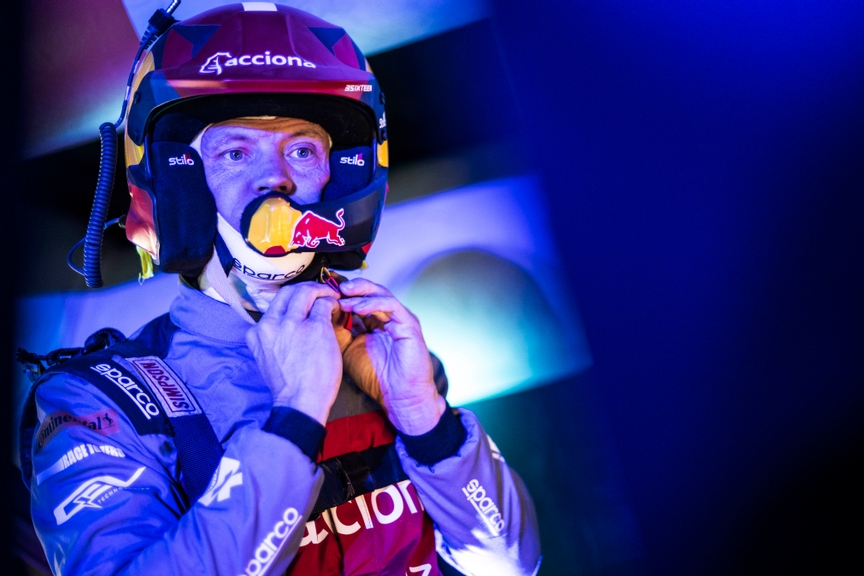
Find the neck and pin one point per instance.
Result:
(254, 295)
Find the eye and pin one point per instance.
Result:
(302, 153)
(234, 155)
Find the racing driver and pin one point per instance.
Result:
(280, 418)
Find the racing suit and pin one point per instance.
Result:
(106, 499)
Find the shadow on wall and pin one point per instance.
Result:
(492, 325)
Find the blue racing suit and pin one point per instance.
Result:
(108, 499)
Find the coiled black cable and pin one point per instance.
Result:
(92, 271)
(120, 220)
(101, 202)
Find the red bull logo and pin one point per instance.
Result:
(276, 228)
(312, 229)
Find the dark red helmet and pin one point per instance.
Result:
(253, 59)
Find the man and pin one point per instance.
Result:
(256, 151)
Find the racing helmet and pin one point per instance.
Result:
(247, 60)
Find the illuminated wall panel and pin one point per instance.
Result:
(374, 26)
(78, 54)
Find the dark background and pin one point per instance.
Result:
(10, 191)
(705, 171)
(704, 165)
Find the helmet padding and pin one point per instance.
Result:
(184, 207)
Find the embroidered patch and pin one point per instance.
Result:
(130, 387)
(91, 494)
(225, 478)
(104, 422)
(76, 454)
(171, 392)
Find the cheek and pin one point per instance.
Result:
(226, 187)
(310, 183)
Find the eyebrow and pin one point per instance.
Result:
(308, 132)
(220, 139)
(242, 136)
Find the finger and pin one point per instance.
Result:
(382, 307)
(363, 287)
(380, 317)
(295, 301)
(344, 337)
(280, 302)
(359, 325)
(340, 319)
(372, 323)
(322, 309)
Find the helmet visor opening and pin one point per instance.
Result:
(348, 123)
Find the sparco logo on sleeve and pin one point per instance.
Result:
(272, 542)
(91, 494)
(130, 387)
(170, 390)
(484, 505)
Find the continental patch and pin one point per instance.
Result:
(171, 392)
(104, 422)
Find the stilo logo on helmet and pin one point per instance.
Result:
(184, 160)
(356, 160)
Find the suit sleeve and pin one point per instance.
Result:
(106, 500)
(484, 517)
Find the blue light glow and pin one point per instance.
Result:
(374, 26)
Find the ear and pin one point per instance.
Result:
(185, 212)
(350, 171)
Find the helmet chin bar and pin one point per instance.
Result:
(274, 225)
(256, 268)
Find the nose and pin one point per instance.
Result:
(273, 174)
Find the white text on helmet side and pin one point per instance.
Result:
(220, 60)
(356, 160)
(184, 160)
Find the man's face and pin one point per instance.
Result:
(247, 157)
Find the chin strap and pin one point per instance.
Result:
(215, 275)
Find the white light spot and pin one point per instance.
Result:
(259, 6)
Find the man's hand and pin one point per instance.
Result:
(391, 362)
(296, 349)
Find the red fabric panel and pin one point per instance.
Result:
(357, 433)
(385, 532)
